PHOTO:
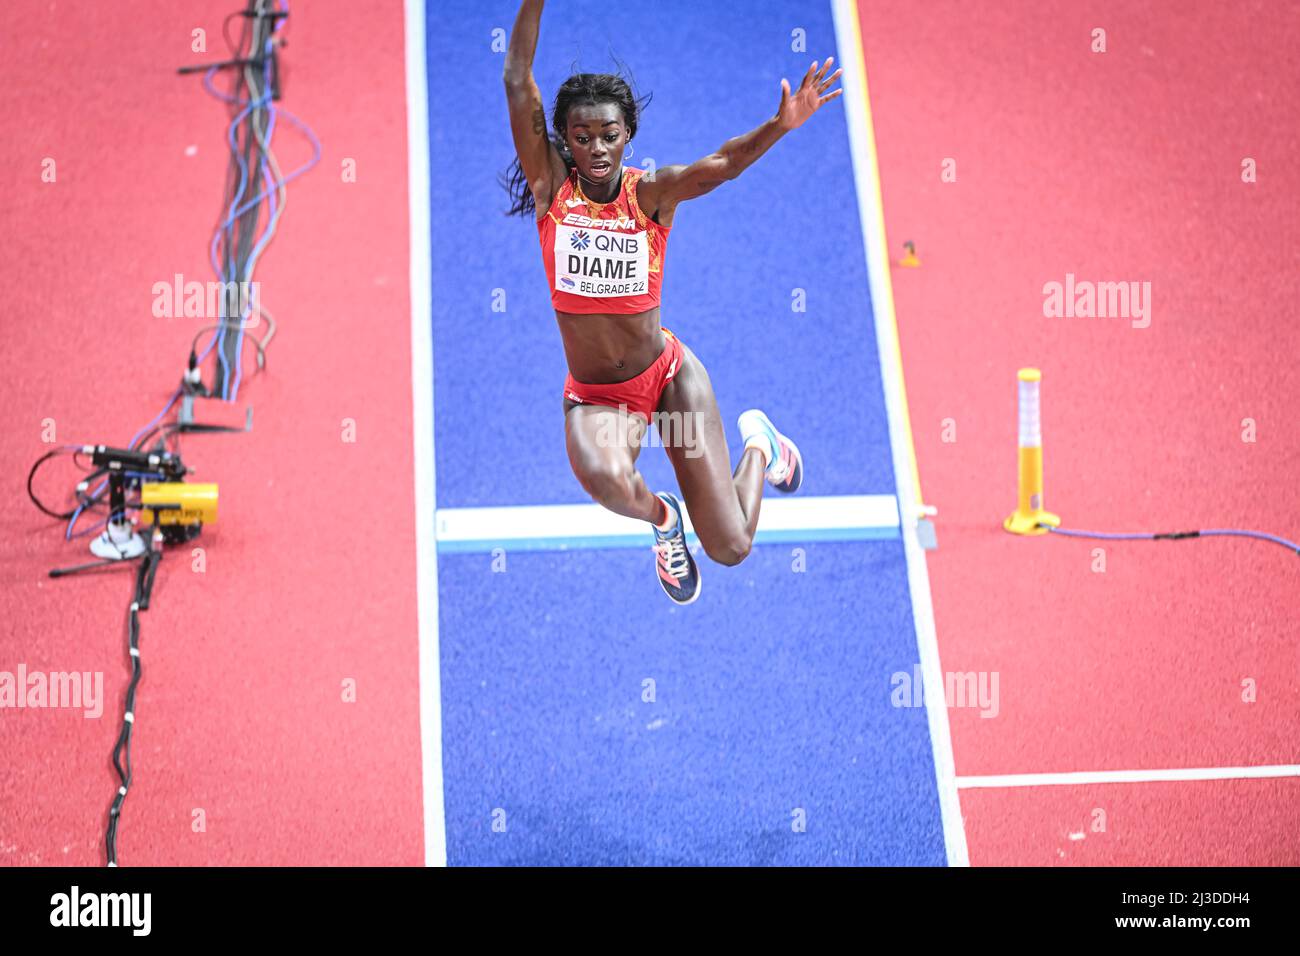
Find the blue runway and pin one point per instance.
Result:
(587, 720)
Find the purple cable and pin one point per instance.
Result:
(1263, 536)
(1153, 536)
(1105, 535)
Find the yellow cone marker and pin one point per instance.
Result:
(1029, 515)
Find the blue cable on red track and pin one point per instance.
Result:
(1176, 535)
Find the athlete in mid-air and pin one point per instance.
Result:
(603, 232)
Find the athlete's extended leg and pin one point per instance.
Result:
(603, 445)
(723, 505)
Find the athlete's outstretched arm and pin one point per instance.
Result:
(542, 165)
(674, 184)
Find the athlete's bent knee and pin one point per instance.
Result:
(608, 486)
(730, 550)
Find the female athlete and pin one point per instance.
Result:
(603, 232)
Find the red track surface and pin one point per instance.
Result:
(1206, 823)
(240, 710)
(1117, 166)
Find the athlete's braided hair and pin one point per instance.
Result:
(581, 89)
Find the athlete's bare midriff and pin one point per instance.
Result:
(602, 349)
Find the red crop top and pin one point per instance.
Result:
(602, 257)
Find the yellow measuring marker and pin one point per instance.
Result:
(1029, 516)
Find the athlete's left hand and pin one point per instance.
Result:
(795, 109)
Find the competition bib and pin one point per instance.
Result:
(593, 261)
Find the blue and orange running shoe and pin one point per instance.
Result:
(784, 463)
(675, 567)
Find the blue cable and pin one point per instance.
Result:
(232, 387)
(156, 419)
(232, 137)
(1104, 535)
(1263, 536)
(1170, 536)
(232, 214)
(269, 232)
(269, 191)
(237, 209)
(266, 236)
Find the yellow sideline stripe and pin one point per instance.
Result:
(885, 308)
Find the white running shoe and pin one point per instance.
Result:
(784, 464)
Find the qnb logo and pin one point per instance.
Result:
(102, 909)
(580, 240)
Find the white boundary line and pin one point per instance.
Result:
(871, 213)
(426, 557)
(1128, 776)
(562, 527)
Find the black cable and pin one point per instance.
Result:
(225, 32)
(101, 564)
(143, 586)
(65, 516)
